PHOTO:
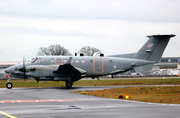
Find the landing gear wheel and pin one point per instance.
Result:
(69, 84)
(9, 85)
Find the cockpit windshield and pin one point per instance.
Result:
(33, 60)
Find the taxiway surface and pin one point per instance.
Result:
(61, 103)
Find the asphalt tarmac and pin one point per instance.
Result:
(61, 103)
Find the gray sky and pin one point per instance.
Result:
(113, 26)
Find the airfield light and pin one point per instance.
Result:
(126, 96)
(123, 96)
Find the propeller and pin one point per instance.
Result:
(24, 67)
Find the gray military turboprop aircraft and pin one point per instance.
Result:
(74, 68)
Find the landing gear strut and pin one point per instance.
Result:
(9, 85)
(69, 84)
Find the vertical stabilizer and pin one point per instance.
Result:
(153, 49)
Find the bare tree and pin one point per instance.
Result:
(53, 50)
(89, 51)
(43, 51)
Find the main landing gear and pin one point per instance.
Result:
(69, 84)
(9, 85)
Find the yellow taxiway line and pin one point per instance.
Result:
(8, 115)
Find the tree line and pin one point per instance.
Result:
(60, 50)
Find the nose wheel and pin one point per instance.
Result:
(9, 85)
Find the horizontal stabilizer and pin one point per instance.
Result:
(117, 71)
(129, 55)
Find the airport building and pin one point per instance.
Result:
(168, 62)
(167, 66)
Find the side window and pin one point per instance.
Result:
(91, 61)
(83, 61)
(52, 61)
(77, 61)
(58, 60)
(110, 61)
(65, 61)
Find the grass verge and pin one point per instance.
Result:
(33, 83)
(128, 82)
(170, 95)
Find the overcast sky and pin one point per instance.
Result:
(113, 26)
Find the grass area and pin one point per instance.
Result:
(128, 82)
(33, 83)
(170, 95)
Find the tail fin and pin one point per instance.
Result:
(153, 49)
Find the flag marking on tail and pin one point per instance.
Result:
(150, 45)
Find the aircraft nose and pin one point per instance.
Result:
(7, 70)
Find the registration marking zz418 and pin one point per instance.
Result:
(21, 101)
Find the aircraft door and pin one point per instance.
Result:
(40, 71)
(44, 71)
(98, 65)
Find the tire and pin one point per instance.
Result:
(69, 84)
(9, 85)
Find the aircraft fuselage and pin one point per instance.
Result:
(91, 66)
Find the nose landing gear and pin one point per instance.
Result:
(9, 85)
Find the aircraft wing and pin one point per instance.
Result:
(69, 70)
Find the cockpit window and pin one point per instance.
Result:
(34, 60)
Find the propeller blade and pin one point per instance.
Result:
(24, 67)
